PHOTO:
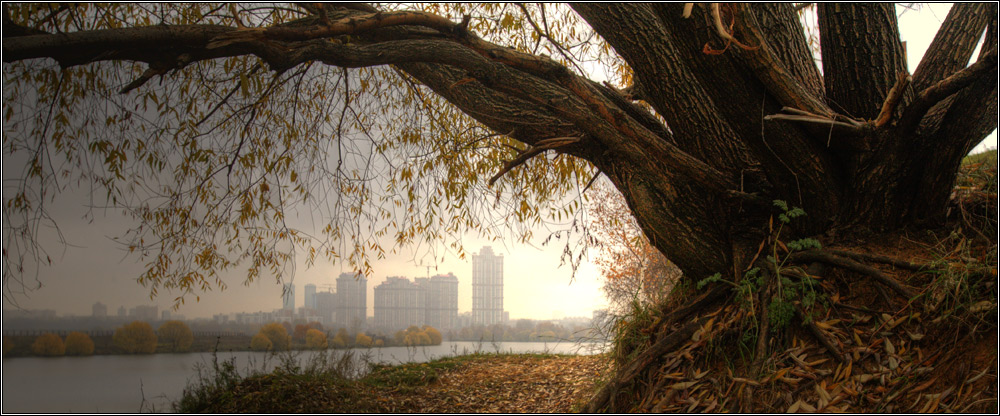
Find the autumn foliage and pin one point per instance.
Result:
(78, 343)
(417, 336)
(278, 335)
(315, 339)
(299, 334)
(260, 342)
(363, 340)
(632, 267)
(135, 338)
(48, 345)
(176, 334)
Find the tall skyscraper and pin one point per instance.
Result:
(288, 297)
(310, 302)
(399, 303)
(487, 287)
(441, 300)
(352, 302)
(326, 306)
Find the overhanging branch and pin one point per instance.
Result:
(946, 87)
(531, 151)
(953, 44)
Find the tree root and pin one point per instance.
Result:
(848, 264)
(880, 259)
(637, 366)
(665, 341)
(821, 336)
(763, 322)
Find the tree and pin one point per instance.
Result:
(299, 334)
(176, 334)
(632, 268)
(710, 115)
(363, 340)
(341, 339)
(278, 335)
(136, 337)
(48, 345)
(78, 343)
(433, 334)
(315, 339)
(8, 346)
(260, 342)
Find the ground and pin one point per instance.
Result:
(504, 384)
(477, 383)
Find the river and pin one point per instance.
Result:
(130, 383)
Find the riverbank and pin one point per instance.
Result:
(495, 383)
(104, 344)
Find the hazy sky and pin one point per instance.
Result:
(94, 269)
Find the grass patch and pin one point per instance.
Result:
(340, 382)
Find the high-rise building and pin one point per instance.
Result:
(352, 302)
(310, 302)
(399, 303)
(487, 287)
(441, 300)
(326, 305)
(100, 310)
(144, 313)
(288, 297)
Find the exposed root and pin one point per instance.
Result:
(822, 337)
(875, 258)
(840, 354)
(846, 263)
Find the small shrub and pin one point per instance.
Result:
(260, 342)
(78, 343)
(363, 340)
(176, 334)
(136, 338)
(278, 334)
(315, 339)
(48, 345)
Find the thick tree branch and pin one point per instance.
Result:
(861, 55)
(954, 43)
(986, 67)
(671, 87)
(771, 70)
(532, 151)
(350, 25)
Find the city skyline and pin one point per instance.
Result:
(317, 289)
